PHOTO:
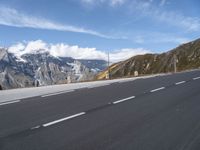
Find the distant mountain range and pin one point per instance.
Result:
(187, 56)
(40, 68)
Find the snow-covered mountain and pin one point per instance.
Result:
(94, 65)
(41, 68)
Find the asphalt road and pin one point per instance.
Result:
(159, 113)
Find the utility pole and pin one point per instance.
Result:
(108, 66)
(175, 61)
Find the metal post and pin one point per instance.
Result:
(175, 61)
(108, 65)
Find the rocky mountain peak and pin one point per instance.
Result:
(40, 68)
(4, 55)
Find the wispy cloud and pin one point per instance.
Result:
(163, 2)
(14, 18)
(117, 2)
(126, 53)
(173, 18)
(74, 51)
(169, 39)
(109, 2)
(159, 38)
(152, 10)
(178, 20)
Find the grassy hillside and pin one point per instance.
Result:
(187, 55)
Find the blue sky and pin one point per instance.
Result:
(104, 25)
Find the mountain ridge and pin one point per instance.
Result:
(41, 68)
(187, 55)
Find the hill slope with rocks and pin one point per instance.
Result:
(187, 56)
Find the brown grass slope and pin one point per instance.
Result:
(188, 56)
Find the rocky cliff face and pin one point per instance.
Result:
(186, 55)
(40, 68)
(10, 74)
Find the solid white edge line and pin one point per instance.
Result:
(122, 100)
(63, 119)
(52, 94)
(196, 78)
(181, 82)
(158, 89)
(11, 102)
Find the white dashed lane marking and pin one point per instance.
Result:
(196, 78)
(181, 82)
(158, 89)
(63, 119)
(36, 127)
(122, 100)
(83, 113)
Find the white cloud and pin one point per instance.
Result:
(17, 49)
(168, 39)
(124, 54)
(117, 2)
(152, 10)
(139, 39)
(87, 1)
(163, 2)
(179, 20)
(11, 17)
(160, 38)
(27, 47)
(65, 50)
(109, 2)
(173, 18)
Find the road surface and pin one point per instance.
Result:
(159, 113)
